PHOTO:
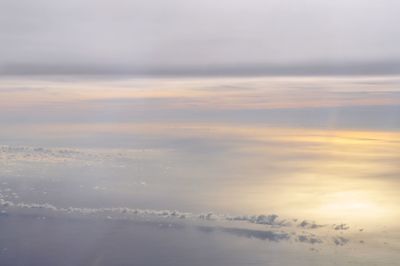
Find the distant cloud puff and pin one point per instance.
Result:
(340, 241)
(309, 239)
(341, 227)
(310, 225)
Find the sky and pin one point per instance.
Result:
(206, 132)
(179, 37)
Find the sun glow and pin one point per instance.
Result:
(353, 205)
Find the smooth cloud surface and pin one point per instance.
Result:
(193, 37)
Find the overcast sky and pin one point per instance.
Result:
(200, 37)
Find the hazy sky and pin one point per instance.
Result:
(200, 37)
(241, 166)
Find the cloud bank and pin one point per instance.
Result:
(279, 230)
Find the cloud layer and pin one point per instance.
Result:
(206, 38)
